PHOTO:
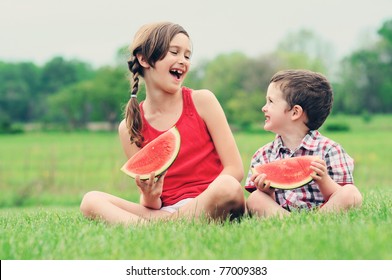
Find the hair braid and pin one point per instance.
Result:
(132, 112)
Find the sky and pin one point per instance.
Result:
(94, 30)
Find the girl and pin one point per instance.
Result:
(205, 178)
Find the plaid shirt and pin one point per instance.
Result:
(340, 167)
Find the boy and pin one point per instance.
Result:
(297, 104)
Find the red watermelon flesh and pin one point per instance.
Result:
(288, 173)
(156, 156)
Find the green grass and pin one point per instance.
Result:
(61, 233)
(43, 177)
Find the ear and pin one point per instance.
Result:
(297, 112)
(142, 61)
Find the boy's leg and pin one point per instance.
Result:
(345, 198)
(224, 197)
(262, 205)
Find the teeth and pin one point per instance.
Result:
(177, 71)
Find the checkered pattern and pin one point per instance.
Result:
(339, 164)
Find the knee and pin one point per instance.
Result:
(352, 196)
(233, 197)
(230, 189)
(251, 201)
(89, 201)
(227, 194)
(255, 200)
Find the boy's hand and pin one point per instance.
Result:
(260, 182)
(320, 168)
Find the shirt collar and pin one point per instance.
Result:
(308, 142)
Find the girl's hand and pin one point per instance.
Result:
(260, 182)
(151, 190)
(320, 168)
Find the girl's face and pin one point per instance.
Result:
(171, 71)
(276, 110)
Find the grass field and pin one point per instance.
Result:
(43, 177)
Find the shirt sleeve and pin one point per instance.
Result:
(340, 165)
(249, 186)
(257, 159)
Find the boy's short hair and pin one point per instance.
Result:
(308, 89)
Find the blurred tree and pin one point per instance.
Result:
(195, 76)
(305, 49)
(99, 99)
(386, 31)
(111, 91)
(245, 108)
(239, 84)
(58, 73)
(18, 84)
(122, 57)
(71, 91)
(223, 75)
(71, 105)
(386, 59)
(366, 77)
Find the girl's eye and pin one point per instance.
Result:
(175, 52)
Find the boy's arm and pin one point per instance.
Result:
(326, 184)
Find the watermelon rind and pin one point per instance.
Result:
(295, 182)
(148, 150)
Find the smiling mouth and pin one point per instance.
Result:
(176, 73)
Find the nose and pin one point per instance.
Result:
(264, 108)
(181, 60)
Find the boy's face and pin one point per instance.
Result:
(276, 110)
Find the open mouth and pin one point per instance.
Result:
(176, 73)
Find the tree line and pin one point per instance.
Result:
(71, 93)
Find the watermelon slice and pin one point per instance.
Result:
(156, 156)
(288, 173)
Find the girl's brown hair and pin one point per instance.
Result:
(152, 42)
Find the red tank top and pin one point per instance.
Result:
(197, 163)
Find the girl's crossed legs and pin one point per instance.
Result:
(222, 199)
